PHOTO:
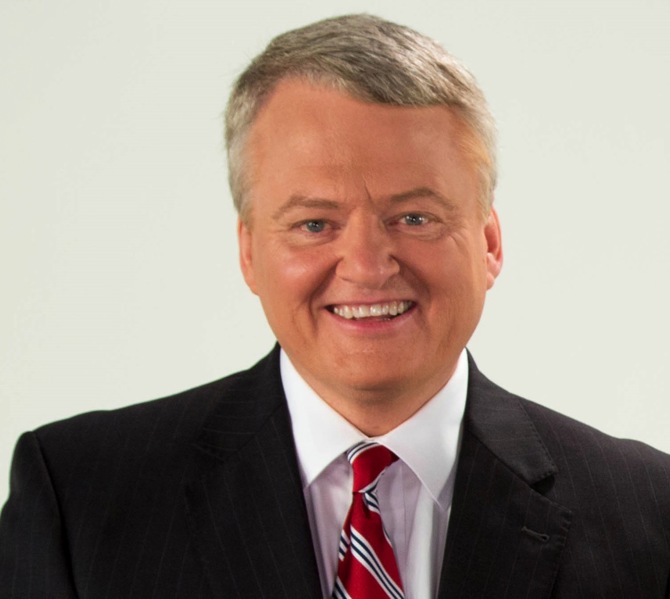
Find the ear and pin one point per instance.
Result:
(494, 253)
(245, 243)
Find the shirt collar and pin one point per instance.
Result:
(427, 442)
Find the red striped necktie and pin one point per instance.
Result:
(367, 567)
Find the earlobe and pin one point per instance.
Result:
(494, 253)
(244, 240)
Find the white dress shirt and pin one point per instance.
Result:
(414, 494)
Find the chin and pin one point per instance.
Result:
(375, 382)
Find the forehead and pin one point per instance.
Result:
(312, 135)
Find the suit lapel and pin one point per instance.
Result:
(246, 506)
(505, 538)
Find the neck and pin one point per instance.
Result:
(378, 411)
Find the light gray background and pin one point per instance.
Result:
(117, 251)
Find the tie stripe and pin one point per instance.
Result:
(371, 501)
(367, 567)
(366, 556)
(344, 544)
(340, 592)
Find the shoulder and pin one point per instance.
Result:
(618, 491)
(577, 438)
(612, 474)
(160, 429)
(597, 475)
(564, 437)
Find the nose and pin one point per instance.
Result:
(366, 254)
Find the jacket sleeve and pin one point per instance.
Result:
(34, 557)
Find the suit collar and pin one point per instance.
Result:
(499, 421)
(505, 537)
(245, 503)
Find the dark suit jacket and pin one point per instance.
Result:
(199, 495)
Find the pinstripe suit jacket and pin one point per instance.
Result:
(198, 495)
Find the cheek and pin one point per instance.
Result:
(290, 273)
(455, 277)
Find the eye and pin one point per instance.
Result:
(314, 226)
(414, 220)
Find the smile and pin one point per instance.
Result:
(386, 309)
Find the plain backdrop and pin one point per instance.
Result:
(118, 260)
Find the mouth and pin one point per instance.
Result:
(384, 310)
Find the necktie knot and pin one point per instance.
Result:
(368, 461)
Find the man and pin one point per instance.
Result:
(362, 164)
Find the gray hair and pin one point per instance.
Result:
(372, 60)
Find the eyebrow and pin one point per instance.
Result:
(422, 192)
(301, 201)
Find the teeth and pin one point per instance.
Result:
(374, 310)
(361, 311)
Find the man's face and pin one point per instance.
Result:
(366, 242)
